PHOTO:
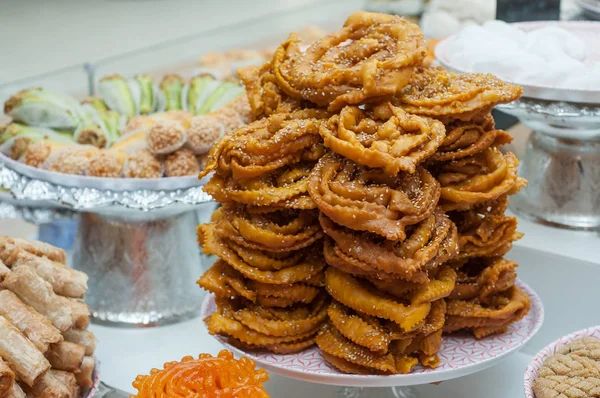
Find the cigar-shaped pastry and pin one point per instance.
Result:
(4, 271)
(49, 386)
(84, 376)
(68, 380)
(33, 325)
(66, 356)
(16, 392)
(81, 313)
(83, 337)
(37, 293)
(7, 378)
(20, 354)
(9, 247)
(64, 280)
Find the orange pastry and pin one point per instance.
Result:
(221, 376)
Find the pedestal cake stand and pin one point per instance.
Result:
(135, 238)
(561, 163)
(460, 355)
(562, 159)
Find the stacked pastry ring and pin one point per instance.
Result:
(364, 207)
(270, 274)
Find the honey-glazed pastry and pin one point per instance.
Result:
(478, 179)
(209, 376)
(492, 316)
(370, 200)
(469, 138)
(386, 137)
(448, 96)
(371, 57)
(479, 278)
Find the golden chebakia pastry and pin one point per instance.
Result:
(574, 371)
(207, 376)
(426, 242)
(371, 57)
(491, 316)
(485, 230)
(386, 137)
(447, 96)
(267, 145)
(354, 342)
(479, 278)
(363, 207)
(256, 326)
(477, 179)
(358, 295)
(333, 343)
(284, 230)
(270, 268)
(370, 200)
(264, 96)
(469, 138)
(286, 187)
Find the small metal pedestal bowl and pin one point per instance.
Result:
(136, 239)
(561, 163)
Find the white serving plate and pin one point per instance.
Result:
(536, 363)
(460, 355)
(588, 31)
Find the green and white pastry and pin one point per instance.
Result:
(223, 94)
(147, 101)
(96, 102)
(116, 92)
(200, 88)
(172, 88)
(41, 108)
(15, 138)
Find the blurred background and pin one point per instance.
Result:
(68, 45)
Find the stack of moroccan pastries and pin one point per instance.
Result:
(410, 189)
(270, 274)
(45, 347)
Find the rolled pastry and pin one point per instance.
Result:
(64, 280)
(7, 378)
(83, 337)
(84, 376)
(68, 380)
(49, 386)
(20, 354)
(9, 247)
(4, 271)
(81, 313)
(66, 356)
(34, 326)
(37, 293)
(16, 392)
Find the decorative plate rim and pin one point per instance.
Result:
(536, 363)
(544, 92)
(428, 376)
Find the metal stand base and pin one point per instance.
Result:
(564, 182)
(386, 392)
(141, 273)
